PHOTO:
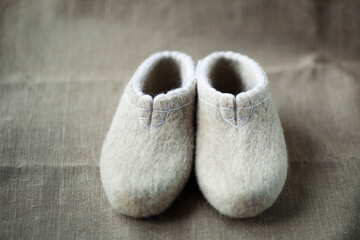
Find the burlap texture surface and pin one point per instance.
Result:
(64, 64)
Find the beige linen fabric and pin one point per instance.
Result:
(64, 65)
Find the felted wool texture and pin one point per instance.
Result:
(148, 152)
(241, 157)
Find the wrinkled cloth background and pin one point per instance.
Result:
(64, 64)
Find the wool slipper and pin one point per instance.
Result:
(241, 157)
(148, 152)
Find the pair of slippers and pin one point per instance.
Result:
(240, 153)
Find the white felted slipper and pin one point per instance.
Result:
(148, 152)
(241, 157)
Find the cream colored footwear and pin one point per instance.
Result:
(241, 157)
(148, 152)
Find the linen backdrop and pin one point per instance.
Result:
(64, 64)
